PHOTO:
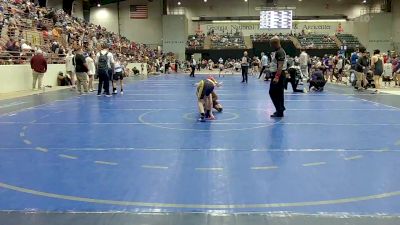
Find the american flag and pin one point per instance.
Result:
(138, 12)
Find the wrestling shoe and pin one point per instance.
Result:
(211, 117)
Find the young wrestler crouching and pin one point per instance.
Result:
(204, 91)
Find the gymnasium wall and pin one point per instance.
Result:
(196, 8)
(396, 23)
(77, 8)
(253, 27)
(19, 77)
(57, 4)
(375, 31)
(175, 34)
(148, 31)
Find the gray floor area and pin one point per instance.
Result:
(16, 218)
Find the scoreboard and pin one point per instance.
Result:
(276, 19)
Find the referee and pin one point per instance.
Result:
(276, 90)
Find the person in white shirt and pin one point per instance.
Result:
(192, 66)
(303, 60)
(105, 70)
(92, 70)
(339, 69)
(264, 64)
(25, 46)
(387, 73)
(70, 68)
(245, 63)
(118, 76)
(221, 66)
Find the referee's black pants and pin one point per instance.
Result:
(193, 68)
(245, 73)
(276, 92)
(262, 71)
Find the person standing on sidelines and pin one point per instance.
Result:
(70, 67)
(245, 67)
(92, 70)
(192, 66)
(277, 86)
(361, 70)
(39, 67)
(264, 64)
(377, 68)
(81, 69)
(220, 67)
(303, 59)
(104, 62)
(353, 59)
(118, 76)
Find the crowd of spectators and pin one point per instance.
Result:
(265, 37)
(316, 41)
(196, 41)
(218, 41)
(56, 33)
(307, 41)
(225, 41)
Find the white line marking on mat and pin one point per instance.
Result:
(106, 163)
(314, 164)
(67, 156)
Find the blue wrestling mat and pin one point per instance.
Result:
(144, 152)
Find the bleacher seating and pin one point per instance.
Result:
(349, 40)
(25, 27)
(227, 41)
(316, 41)
(265, 37)
(196, 41)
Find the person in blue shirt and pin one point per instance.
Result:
(353, 59)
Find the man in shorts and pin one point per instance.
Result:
(118, 76)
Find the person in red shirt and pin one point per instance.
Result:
(39, 67)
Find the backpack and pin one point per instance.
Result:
(103, 62)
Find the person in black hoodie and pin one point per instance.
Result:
(361, 69)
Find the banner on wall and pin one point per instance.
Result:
(298, 27)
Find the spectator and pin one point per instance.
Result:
(81, 69)
(245, 63)
(303, 59)
(377, 68)
(362, 68)
(105, 63)
(39, 67)
(92, 70)
(317, 81)
(264, 64)
(70, 67)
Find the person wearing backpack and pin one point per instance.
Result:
(105, 63)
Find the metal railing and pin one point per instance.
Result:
(18, 58)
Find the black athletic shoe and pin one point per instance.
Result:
(277, 115)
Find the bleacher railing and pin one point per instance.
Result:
(12, 58)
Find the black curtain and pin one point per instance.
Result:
(67, 6)
(42, 3)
